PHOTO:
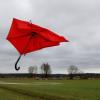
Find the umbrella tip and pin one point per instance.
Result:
(30, 21)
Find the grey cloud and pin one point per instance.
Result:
(78, 20)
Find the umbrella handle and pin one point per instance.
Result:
(17, 68)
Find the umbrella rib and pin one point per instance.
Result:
(27, 44)
(33, 42)
(44, 38)
(19, 36)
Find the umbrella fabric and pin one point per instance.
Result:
(27, 37)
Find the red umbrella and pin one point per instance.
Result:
(27, 37)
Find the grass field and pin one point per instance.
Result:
(29, 89)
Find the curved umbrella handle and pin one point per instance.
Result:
(17, 68)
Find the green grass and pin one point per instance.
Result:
(50, 89)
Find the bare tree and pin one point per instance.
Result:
(73, 70)
(32, 70)
(35, 70)
(46, 69)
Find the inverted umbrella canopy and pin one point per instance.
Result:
(27, 37)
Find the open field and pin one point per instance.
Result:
(29, 89)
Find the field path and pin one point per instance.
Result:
(34, 83)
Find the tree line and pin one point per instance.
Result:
(45, 72)
(72, 72)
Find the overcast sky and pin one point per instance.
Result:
(77, 20)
